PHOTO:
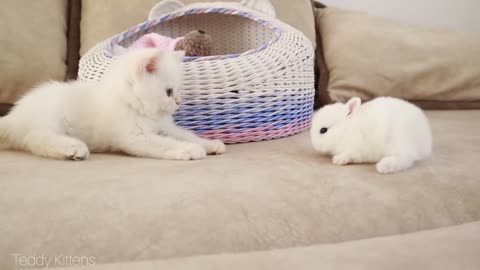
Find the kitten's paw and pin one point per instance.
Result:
(215, 147)
(52, 145)
(195, 151)
(187, 151)
(341, 160)
(76, 151)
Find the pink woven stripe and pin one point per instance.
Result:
(257, 134)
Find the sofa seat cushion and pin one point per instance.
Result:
(444, 248)
(258, 196)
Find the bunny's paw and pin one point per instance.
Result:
(341, 160)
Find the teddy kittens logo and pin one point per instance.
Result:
(45, 262)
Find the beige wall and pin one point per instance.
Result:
(453, 14)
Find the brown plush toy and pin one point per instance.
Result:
(195, 43)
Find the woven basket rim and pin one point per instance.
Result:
(115, 40)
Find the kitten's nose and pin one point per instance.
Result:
(201, 32)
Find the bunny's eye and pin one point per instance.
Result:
(169, 92)
(323, 130)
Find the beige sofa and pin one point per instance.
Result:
(265, 205)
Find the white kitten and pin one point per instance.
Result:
(386, 130)
(129, 110)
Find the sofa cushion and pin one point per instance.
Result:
(103, 19)
(369, 56)
(258, 196)
(33, 45)
(454, 247)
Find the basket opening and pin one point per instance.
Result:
(231, 34)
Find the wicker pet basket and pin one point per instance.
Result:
(259, 84)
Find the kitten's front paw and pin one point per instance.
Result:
(341, 160)
(195, 151)
(187, 151)
(76, 151)
(215, 147)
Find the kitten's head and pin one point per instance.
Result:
(154, 78)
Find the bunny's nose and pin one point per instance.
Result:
(201, 32)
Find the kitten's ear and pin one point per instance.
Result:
(353, 105)
(149, 63)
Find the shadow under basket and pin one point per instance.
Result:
(258, 85)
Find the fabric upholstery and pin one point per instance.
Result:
(369, 56)
(33, 45)
(455, 247)
(258, 196)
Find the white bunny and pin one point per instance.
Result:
(388, 131)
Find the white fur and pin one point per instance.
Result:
(390, 131)
(128, 111)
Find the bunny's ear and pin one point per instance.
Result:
(163, 8)
(264, 6)
(353, 105)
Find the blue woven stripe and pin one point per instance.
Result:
(281, 113)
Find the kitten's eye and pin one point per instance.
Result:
(323, 130)
(169, 92)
